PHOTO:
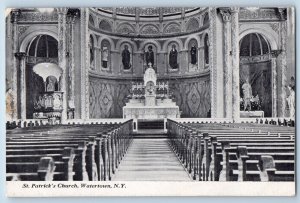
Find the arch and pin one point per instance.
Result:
(92, 20)
(172, 28)
(149, 41)
(187, 41)
(33, 33)
(270, 35)
(192, 24)
(149, 29)
(94, 38)
(121, 42)
(125, 28)
(205, 19)
(105, 25)
(112, 44)
(179, 42)
(206, 48)
(202, 37)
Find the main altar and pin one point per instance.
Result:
(150, 100)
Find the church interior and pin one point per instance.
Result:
(150, 93)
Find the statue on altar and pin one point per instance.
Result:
(291, 101)
(247, 92)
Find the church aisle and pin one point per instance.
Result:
(150, 160)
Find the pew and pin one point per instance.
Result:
(81, 152)
(229, 152)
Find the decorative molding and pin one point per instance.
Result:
(259, 14)
(35, 17)
(172, 28)
(192, 24)
(22, 29)
(275, 27)
(226, 14)
(253, 59)
(149, 30)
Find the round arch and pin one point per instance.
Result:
(120, 42)
(27, 39)
(179, 42)
(112, 44)
(144, 44)
(269, 35)
(187, 41)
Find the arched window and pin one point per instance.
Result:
(104, 25)
(92, 52)
(206, 19)
(206, 49)
(91, 20)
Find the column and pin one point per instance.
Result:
(62, 58)
(85, 60)
(14, 34)
(274, 55)
(282, 64)
(235, 63)
(21, 56)
(213, 61)
(72, 13)
(226, 15)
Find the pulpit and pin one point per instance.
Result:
(49, 103)
(150, 101)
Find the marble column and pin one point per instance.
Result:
(62, 58)
(283, 65)
(21, 56)
(71, 72)
(235, 63)
(213, 61)
(85, 61)
(274, 55)
(226, 15)
(15, 41)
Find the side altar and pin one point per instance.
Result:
(152, 103)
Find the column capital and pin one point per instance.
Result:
(20, 55)
(62, 11)
(282, 13)
(73, 12)
(225, 13)
(234, 9)
(275, 53)
(15, 13)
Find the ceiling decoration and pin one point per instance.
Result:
(148, 11)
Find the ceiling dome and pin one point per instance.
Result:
(254, 44)
(43, 46)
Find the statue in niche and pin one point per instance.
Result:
(173, 57)
(126, 58)
(149, 56)
(247, 92)
(51, 84)
(291, 101)
(104, 57)
(193, 54)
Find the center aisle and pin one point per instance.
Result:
(150, 160)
